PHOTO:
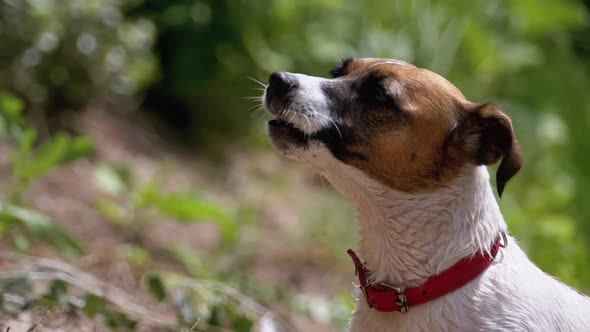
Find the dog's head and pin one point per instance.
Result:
(406, 127)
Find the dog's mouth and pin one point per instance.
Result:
(284, 134)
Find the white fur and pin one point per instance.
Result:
(309, 109)
(405, 238)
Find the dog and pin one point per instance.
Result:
(411, 151)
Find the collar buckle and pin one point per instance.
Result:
(402, 300)
(402, 297)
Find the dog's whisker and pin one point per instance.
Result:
(259, 113)
(308, 122)
(256, 103)
(332, 121)
(254, 107)
(284, 113)
(257, 81)
(308, 127)
(255, 98)
(293, 114)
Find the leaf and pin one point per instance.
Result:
(62, 241)
(215, 318)
(29, 164)
(7, 221)
(34, 221)
(20, 242)
(42, 228)
(23, 155)
(93, 305)
(126, 322)
(32, 165)
(58, 292)
(156, 286)
(137, 255)
(185, 207)
(112, 179)
(11, 107)
(191, 260)
(115, 319)
(78, 147)
(11, 119)
(242, 324)
(113, 211)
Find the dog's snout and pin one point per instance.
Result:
(280, 83)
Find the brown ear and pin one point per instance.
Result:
(484, 136)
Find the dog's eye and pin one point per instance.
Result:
(372, 92)
(341, 68)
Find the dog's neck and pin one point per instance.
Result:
(406, 238)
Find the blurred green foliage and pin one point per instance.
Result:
(58, 55)
(188, 62)
(29, 161)
(132, 204)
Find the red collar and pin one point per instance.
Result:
(386, 298)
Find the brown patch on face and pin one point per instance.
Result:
(410, 156)
(434, 133)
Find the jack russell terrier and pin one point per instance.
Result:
(410, 151)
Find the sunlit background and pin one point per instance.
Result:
(138, 190)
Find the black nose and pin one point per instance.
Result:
(280, 83)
